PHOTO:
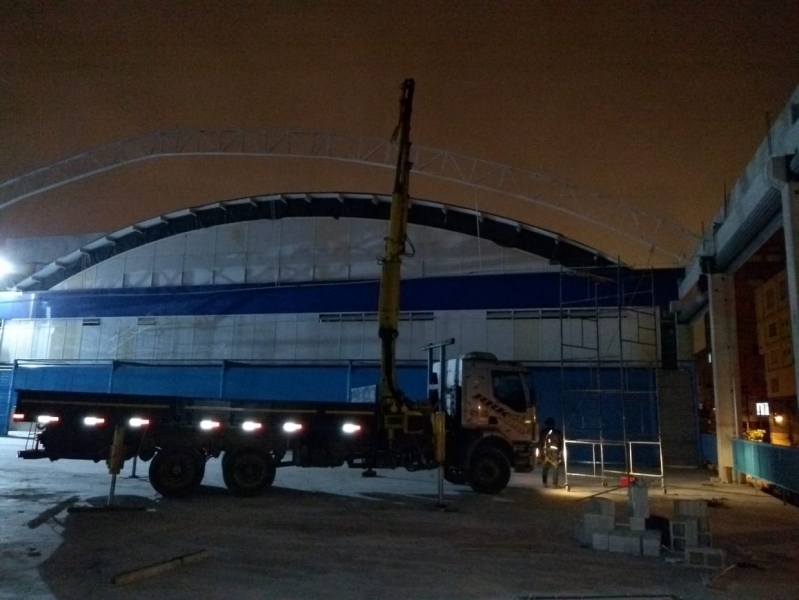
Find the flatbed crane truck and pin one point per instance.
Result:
(478, 423)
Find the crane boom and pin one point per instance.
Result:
(391, 397)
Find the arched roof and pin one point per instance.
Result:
(502, 231)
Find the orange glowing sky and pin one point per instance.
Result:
(659, 104)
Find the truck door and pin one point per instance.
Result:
(509, 405)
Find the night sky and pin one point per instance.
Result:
(659, 104)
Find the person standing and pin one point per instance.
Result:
(550, 450)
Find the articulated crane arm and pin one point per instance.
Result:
(391, 397)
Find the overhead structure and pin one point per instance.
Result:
(504, 232)
(652, 233)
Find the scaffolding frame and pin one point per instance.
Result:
(591, 328)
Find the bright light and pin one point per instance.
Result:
(138, 422)
(18, 417)
(778, 419)
(208, 424)
(45, 419)
(350, 428)
(709, 357)
(91, 421)
(250, 426)
(537, 452)
(6, 268)
(291, 427)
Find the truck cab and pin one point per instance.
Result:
(491, 420)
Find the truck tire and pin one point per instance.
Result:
(176, 472)
(489, 471)
(248, 472)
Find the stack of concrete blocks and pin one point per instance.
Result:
(600, 531)
(638, 511)
(598, 521)
(690, 534)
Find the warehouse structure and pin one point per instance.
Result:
(274, 297)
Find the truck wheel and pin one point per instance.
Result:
(248, 472)
(176, 472)
(489, 471)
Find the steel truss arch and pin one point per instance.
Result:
(653, 232)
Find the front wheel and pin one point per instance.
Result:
(176, 472)
(248, 472)
(489, 471)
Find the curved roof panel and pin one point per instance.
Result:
(502, 231)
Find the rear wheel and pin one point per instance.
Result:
(489, 471)
(248, 472)
(176, 472)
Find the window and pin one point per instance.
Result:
(509, 389)
(761, 409)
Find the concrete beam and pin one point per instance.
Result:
(790, 220)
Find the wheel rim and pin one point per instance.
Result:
(486, 471)
(177, 471)
(250, 471)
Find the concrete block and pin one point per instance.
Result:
(637, 523)
(601, 506)
(593, 522)
(650, 543)
(690, 508)
(709, 558)
(638, 500)
(632, 543)
(684, 533)
(617, 541)
(625, 542)
(601, 540)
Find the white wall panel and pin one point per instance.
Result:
(351, 338)
(164, 345)
(307, 337)
(285, 337)
(222, 344)
(329, 340)
(202, 338)
(297, 242)
(144, 347)
(263, 342)
(57, 333)
(109, 329)
(72, 336)
(197, 270)
(550, 339)
(89, 342)
(42, 330)
(168, 270)
(499, 337)
(243, 334)
(527, 339)
(229, 269)
(264, 237)
(201, 241)
(172, 246)
(109, 273)
(232, 238)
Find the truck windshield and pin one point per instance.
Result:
(509, 389)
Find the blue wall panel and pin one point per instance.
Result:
(7, 397)
(778, 465)
(487, 292)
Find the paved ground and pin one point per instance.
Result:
(333, 534)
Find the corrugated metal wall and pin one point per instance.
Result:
(678, 417)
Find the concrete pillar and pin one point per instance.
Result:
(724, 356)
(790, 223)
